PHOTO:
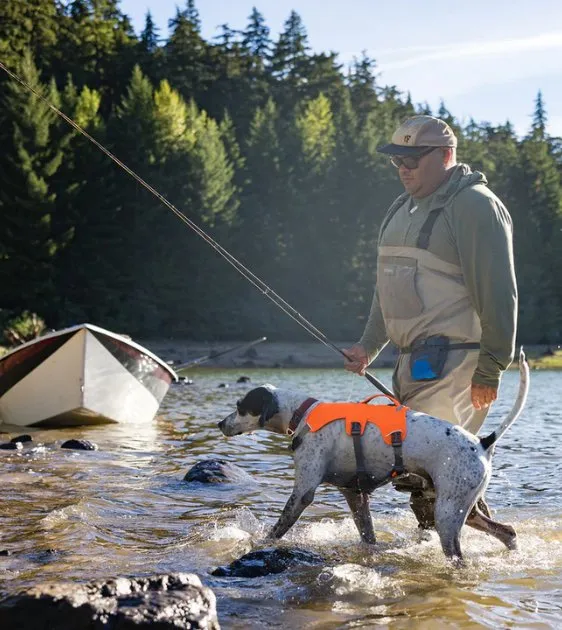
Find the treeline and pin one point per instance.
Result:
(267, 145)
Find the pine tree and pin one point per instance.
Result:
(538, 128)
(32, 26)
(538, 224)
(186, 55)
(32, 155)
(256, 39)
(262, 196)
(151, 54)
(98, 47)
(289, 62)
(362, 85)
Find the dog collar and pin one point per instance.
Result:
(299, 414)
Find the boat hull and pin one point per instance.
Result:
(79, 376)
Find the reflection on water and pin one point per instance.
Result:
(125, 510)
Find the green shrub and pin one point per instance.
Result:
(24, 327)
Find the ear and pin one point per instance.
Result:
(270, 408)
(261, 402)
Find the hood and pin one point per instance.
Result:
(462, 177)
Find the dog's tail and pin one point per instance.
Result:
(515, 412)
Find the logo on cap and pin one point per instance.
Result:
(407, 139)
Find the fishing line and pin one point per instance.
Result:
(243, 270)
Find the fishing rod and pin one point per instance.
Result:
(242, 270)
(214, 355)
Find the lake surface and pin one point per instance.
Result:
(125, 510)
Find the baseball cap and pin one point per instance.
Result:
(418, 133)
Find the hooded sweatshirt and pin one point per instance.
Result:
(475, 232)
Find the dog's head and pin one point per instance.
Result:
(254, 411)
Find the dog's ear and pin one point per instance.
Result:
(270, 409)
(259, 402)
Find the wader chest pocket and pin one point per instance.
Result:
(396, 285)
(428, 359)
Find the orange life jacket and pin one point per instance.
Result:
(388, 418)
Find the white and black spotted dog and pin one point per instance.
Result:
(457, 462)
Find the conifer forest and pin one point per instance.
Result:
(267, 145)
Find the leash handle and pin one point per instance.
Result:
(391, 398)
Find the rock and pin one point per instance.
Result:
(22, 439)
(223, 385)
(267, 561)
(217, 471)
(243, 379)
(11, 446)
(5, 552)
(80, 445)
(159, 602)
(184, 380)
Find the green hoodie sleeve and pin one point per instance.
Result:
(374, 337)
(483, 230)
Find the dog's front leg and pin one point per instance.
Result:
(359, 505)
(294, 507)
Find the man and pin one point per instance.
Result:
(446, 293)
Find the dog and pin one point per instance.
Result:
(456, 462)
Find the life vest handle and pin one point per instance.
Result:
(393, 400)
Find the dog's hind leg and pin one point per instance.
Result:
(359, 505)
(449, 519)
(504, 533)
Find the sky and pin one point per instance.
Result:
(486, 59)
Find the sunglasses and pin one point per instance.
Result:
(411, 162)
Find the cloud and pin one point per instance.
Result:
(506, 47)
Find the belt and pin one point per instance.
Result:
(469, 345)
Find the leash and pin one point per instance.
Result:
(242, 270)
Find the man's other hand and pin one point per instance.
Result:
(483, 395)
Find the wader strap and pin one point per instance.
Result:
(469, 345)
(427, 228)
(400, 201)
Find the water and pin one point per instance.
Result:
(125, 510)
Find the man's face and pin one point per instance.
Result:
(429, 174)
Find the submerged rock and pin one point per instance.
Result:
(217, 471)
(243, 379)
(22, 439)
(11, 446)
(267, 561)
(80, 445)
(158, 602)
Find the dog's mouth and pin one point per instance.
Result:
(226, 428)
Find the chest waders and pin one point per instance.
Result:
(423, 298)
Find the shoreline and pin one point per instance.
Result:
(301, 354)
(289, 354)
(268, 354)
